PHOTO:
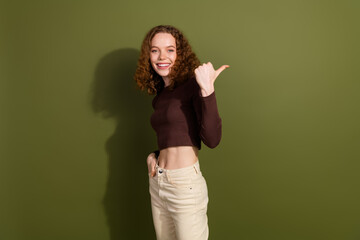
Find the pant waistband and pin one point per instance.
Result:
(195, 166)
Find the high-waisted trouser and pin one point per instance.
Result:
(179, 200)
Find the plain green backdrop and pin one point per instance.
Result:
(75, 131)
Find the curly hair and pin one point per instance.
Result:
(185, 64)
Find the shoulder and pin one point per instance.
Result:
(192, 84)
(193, 87)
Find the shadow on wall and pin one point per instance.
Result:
(126, 201)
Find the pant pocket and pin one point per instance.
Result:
(183, 179)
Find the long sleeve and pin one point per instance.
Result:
(208, 117)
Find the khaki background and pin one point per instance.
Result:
(75, 132)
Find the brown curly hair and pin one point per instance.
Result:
(185, 64)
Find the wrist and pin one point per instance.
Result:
(207, 92)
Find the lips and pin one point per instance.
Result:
(163, 65)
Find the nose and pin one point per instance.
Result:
(162, 55)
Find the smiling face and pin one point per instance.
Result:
(163, 54)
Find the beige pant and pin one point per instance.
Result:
(179, 200)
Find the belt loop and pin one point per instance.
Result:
(196, 170)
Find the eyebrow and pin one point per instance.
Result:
(166, 47)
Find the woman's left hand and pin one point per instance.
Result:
(206, 76)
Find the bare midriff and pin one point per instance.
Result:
(178, 157)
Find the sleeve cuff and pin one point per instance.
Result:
(209, 97)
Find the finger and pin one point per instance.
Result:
(150, 172)
(222, 68)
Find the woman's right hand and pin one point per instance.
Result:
(151, 163)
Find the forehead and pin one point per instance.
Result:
(163, 40)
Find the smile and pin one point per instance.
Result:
(163, 65)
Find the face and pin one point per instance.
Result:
(163, 53)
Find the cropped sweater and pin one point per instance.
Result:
(183, 117)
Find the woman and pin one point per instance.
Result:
(185, 113)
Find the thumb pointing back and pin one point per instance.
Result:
(222, 68)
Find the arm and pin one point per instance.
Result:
(205, 104)
(208, 117)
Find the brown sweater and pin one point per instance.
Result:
(183, 117)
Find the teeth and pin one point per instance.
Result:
(163, 65)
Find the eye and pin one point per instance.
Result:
(153, 50)
(171, 50)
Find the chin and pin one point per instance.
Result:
(163, 74)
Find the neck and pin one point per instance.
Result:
(166, 81)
